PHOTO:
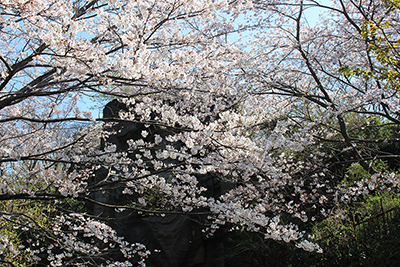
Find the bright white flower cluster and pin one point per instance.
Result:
(220, 144)
(7, 248)
(79, 235)
(308, 246)
(378, 181)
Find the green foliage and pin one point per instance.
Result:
(362, 234)
(369, 127)
(376, 141)
(393, 3)
(155, 199)
(383, 46)
(251, 249)
(22, 224)
(356, 172)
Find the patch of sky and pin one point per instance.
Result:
(314, 11)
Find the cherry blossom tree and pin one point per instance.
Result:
(337, 59)
(342, 76)
(246, 92)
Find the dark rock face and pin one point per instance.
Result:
(178, 237)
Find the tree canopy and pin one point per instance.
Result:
(295, 119)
